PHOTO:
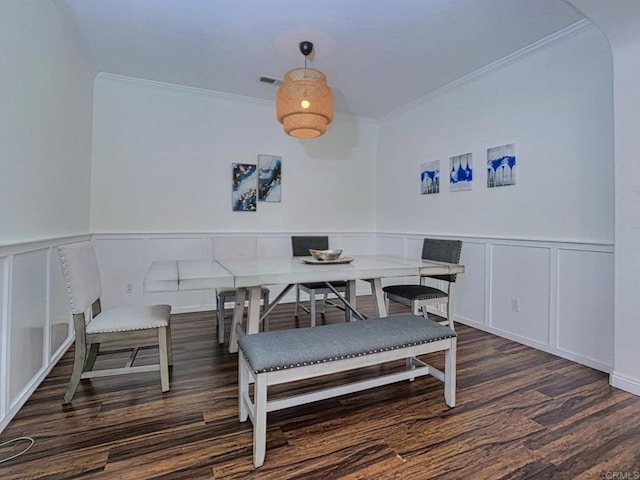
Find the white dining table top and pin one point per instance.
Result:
(179, 275)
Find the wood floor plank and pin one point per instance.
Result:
(521, 414)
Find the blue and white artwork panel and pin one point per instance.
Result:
(461, 172)
(430, 177)
(269, 178)
(244, 192)
(501, 165)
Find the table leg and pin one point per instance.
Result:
(253, 314)
(238, 313)
(351, 298)
(378, 297)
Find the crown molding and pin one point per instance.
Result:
(547, 42)
(184, 89)
(174, 87)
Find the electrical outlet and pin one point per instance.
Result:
(128, 287)
(515, 305)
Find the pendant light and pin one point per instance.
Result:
(304, 104)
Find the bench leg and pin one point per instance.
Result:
(243, 388)
(410, 365)
(260, 420)
(450, 374)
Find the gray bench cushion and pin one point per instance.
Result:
(296, 347)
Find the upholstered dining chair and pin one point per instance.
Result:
(300, 246)
(421, 296)
(234, 247)
(148, 324)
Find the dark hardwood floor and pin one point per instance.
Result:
(520, 414)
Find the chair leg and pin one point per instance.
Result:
(90, 361)
(295, 308)
(450, 314)
(163, 347)
(79, 361)
(220, 318)
(265, 322)
(169, 345)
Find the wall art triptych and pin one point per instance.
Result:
(501, 170)
(253, 183)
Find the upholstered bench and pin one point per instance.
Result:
(283, 356)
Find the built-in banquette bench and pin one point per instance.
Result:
(283, 356)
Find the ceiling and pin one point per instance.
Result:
(378, 55)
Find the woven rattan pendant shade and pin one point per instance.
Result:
(304, 104)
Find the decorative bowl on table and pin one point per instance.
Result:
(325, 255)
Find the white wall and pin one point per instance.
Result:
(547, 242)
(162, 160)
(620, 21)
(555, 106)
(45, 124)
(45, 162)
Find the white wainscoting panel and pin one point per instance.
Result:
(4, 338)
(27, 319)
(354, 244)
(520, 283)
(563, 292)
(391, 245)
(470, 290)
(274, 246)
(397, 245)
(585, 306)
(125, 259)
(34, 319)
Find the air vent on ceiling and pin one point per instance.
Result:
(272, 81)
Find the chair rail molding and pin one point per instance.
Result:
(552, 295)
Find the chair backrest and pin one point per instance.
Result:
(300, 245)
(235, 247)
(81, 275)
(442, 251)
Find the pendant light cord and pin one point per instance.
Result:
(14, 440)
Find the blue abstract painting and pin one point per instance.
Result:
(460, 172)
(430, 177)
(501, 166)
(269, 178)
(244, 194)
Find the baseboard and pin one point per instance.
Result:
(623, 382)
(586, 361)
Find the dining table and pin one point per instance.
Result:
(248, 276)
